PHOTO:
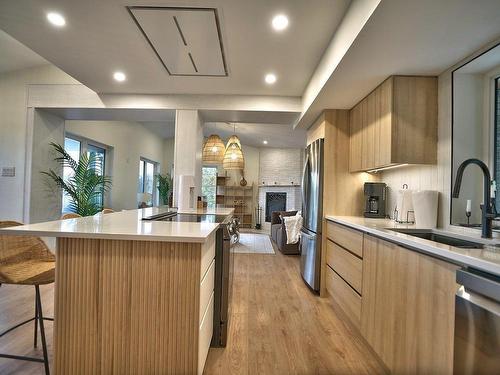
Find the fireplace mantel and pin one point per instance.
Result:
(272, 186)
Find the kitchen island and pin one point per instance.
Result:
(131, 296)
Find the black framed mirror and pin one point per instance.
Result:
(475, 132)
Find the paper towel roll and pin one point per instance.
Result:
(426, 208)
(404, 204)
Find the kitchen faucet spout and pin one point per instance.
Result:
(487, 215)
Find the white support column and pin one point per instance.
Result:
(188, 149)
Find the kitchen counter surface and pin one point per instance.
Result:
(125, 225)
(486, 259)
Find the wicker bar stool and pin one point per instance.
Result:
(26, 260)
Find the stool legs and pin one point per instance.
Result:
(42, 329)
(35, 341)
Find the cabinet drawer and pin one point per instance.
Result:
(205, 334)
(346, 264)
(348, 300)
(206, 289)
(348, 238)
(207, 254)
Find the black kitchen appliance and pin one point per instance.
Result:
(375, 199)
(224, 265)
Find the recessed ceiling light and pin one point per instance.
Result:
(280, 22)
(119, 76)
(56, 19)
(270, 78)
(265, 142)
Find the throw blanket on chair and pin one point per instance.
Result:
(293, 224)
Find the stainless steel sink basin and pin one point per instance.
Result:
(440, 238)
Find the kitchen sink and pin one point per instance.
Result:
(440, 238)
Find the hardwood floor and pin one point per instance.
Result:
(17, 303)
(277, 326)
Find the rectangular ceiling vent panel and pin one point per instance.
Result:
(186, 40)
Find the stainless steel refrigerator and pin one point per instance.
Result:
(312, 212)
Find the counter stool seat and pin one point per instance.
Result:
(29, 272)
(26, 260)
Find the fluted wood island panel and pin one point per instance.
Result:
(128, 307)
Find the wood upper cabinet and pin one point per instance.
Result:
(356, 138)
(408, 304)
(395, 124)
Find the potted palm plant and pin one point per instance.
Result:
(164, 186)
(87, 183)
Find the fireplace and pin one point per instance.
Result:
(274, 202)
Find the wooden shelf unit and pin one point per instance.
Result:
(241, 198)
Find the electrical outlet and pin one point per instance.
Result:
(8, 171)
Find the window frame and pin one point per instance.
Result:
(156, 168)
(84, 148)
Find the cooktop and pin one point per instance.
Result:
(186, 218)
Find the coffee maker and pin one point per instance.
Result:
(375, 197)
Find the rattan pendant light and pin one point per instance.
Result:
(213, 150)
(233, 139)
(233, 157)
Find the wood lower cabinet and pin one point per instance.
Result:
(408, 305)
(348, 238)
(395, 124)
(344, 265)
(344, 296)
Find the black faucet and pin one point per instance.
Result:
(487, 215)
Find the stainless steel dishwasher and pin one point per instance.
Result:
(477, 323)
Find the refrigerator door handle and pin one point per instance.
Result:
(305, 184)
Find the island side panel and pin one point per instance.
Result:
(126, 307)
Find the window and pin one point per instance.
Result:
(100, 154)
(496, 128)
(147, 195)
(209, 185)
(75, 146)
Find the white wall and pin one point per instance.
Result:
(188, 149)
(129, 141)
(168, 156)
(45, 198)
(281, 166)
(13, 136)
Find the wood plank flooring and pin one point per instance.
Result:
(277, 326)
(17, 303)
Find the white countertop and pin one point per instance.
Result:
(125, 225)
(486, 259)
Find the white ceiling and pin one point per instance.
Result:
(423, 37)
(15, 55)
(101, 37)
(276, 135)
